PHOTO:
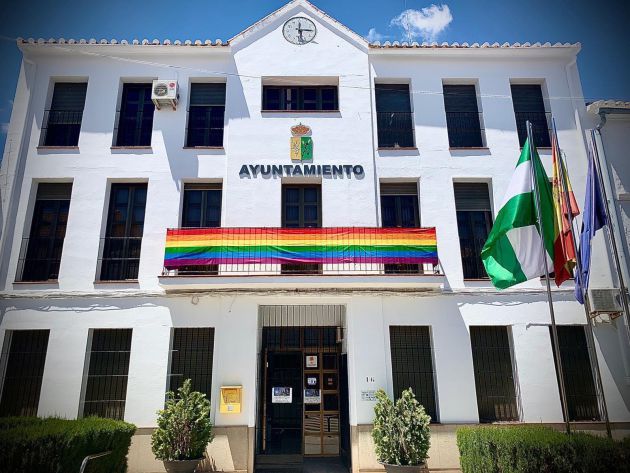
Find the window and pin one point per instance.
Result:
(462, 116)
(529, 105)
(191, 357)
(40, 256)
(206, 115)
(579, 383)
(313, 99)
(494, 378)
(412, 364)
(62, 123)
(123, 239)
(135, 122)
(301, 208)
(393, 116)
(474, 221)
(23, 358)
(399, 209)
(202, 208)
(108, 369)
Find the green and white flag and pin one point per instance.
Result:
(512, 253)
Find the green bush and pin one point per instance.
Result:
(184, 427)
(536, 449)
(52, 445)
(401, 429)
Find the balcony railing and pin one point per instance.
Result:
(464, 129)
(61, 127)
(395, 129)
(120, 258)
(540, 127)
(39, 259)
(301, 251)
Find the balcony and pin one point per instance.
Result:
(293, 258)
(395, 129)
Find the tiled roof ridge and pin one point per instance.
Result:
(434, 44)
(134, 42)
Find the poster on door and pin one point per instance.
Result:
(312, 396)
(281, 395)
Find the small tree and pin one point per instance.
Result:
(184, 426)
(401, 430)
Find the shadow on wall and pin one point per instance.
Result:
(609, 344)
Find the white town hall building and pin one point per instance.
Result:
(112, 143)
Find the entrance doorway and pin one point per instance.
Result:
(301, 398)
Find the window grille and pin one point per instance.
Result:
(135, 120)
(106, 384)
(320, 98)
(40, 254)
(494, 377)
(125, 225)
(191, 358)
(463, 119)
(529, 105)
(412, 364)
(62, 122)
(582, 401)
(23, 359)
(474, 222)
(206, 115)
(394, 119)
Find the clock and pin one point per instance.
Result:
(299, 30)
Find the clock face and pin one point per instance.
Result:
(299, 30)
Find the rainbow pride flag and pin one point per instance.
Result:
(361, 245)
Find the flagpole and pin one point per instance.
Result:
(564, 188)
(543, 254)
(611, 237)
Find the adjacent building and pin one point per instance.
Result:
(188, 209)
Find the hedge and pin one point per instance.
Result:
(538, 449)
(52, 445)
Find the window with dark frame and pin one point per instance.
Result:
(23, 359)
(474, 222)
(494, 375)
(579, 383)
(394, 119)
(289, 98)
(463, 120)
(191, 358)
(412, 364)
(529, 104)
(301, 208)
(135, 118)
(206, 115)
(40, 256)
(108, 370)
(399, 209)
(123, 238)
(202, 209)
(62, 122)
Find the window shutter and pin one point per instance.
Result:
(207, 94)
(203, 186)
(69, 96)
(54, 191)
(472, 196)
(392, 98)
(460, 98)
(399, 188)
(527, 98)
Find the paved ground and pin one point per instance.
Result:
(323, 465)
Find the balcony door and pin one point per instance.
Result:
(302, 208)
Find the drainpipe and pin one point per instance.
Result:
(621, 258)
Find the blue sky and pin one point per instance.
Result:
(603, 28)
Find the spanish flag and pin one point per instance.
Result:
(564, 249)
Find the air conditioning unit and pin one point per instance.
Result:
(605, 301)
(165, 93)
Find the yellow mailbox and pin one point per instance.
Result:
(231, 399)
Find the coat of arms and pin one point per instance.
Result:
(301, 144)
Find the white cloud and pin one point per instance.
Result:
(373, 35)
(427, 23)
